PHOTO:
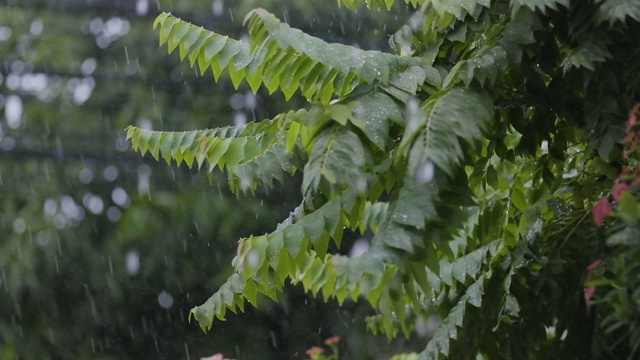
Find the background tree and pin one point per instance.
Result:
(474, 154)
(102, 252)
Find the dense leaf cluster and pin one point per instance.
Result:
(473, 156)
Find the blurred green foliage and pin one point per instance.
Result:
(95, 241)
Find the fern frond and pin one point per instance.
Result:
(183, 146)
(298, 251)
(252, 154)
(588, 54)
(373, 216)
(280, 57)
(617, 11)
(499, 46)
(336, 161)
(376, 4)
(441, 342)
(447, 119)
(540, 5)
(456, 8)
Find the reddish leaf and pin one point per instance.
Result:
(618, 189)
(601, 210)
(588, 294)
(633, 117)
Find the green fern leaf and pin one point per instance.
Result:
(440, 344)
(446, 119)
(252, 154)
(263, 264)
(336, 161)
(454, 7)
(280, 57)
(541, 5)
(588, 54)
(614, 11)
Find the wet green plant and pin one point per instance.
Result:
(474, 153)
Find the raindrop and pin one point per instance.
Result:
(186, 349)
(19, 225)
(120, 197)
(50, 207)
(132, 262)
(359, 247)
(126, 54)
(93, 203)
(13, 111)
(88, 66)
(42, 238)
(425, 172)
(165, 300)
(121, 143)
(82, 91)
(361, 185)
(113, 214)
(36, 27)
(110, 173)
(13, 81)
(144, 173)
(412, 115)
(85, 175)
(60, 221)
(70, 208)
(252, 259)
(239, 119)
(237, 101)
(116, 26)
(103, 41)
(145, 124)
(251, 101)
(5, 33)
(217, 7)
(95, 26)
(8, 144)
(142, 7)
(110, 266)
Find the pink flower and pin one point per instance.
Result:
(314, 352)
(217, 356)
(618, 189)
(588, 292)
(332, 340)
(601, 210)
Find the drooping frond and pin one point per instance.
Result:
(614, 11)
(540, 5)
(447, 332)
(456, 8)
(297, 251)
(280, 57)
(499, 46)
(251, 154)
